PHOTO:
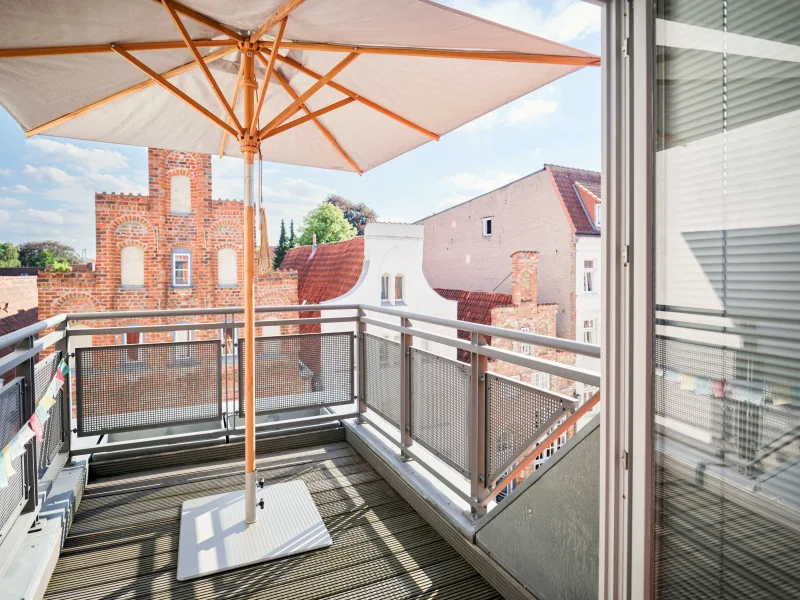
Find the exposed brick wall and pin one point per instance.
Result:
(146, 221)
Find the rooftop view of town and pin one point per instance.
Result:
(454, 299)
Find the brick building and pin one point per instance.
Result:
(173, 248)
(518, 310)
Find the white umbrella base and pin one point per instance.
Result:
(215, 538)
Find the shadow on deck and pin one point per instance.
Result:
(124, 540)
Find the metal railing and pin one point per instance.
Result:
(179, 377)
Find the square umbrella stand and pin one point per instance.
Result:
(215, 538)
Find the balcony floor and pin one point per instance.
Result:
(124, 540)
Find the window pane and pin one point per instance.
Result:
(180, 269)
(385, 287)
(398, 288)
(726, 351)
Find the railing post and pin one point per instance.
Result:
(26, 370)
(361, 327)
(66, 392)
(406, 341)
(477, 426)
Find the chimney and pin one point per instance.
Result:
(524, 277)
(313, 246)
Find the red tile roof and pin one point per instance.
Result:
(333, 271)
(565, 178)
(475, 307)
(22, 297)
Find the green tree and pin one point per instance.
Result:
(9, 256)
(281, 249)
(292, 239)
(30, 253)
(328, 222)
(358, 215)
(60, 264)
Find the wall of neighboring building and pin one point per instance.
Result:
(587, 305)
(526, 215)
(396, 249)
(19, 306)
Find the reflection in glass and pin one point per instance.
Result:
(727, 285)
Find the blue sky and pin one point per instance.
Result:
(47, 185)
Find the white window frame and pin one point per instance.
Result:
(589, 279)
(540, 379)
(385, 288)
(398, 290)
(589, 332)
(487, 226)
(525, 348)
(181, 252)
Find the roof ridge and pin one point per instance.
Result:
(573, 168)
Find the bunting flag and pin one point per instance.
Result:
(36, 425)
(3, 479)
(47, 401)
(702, 385)
(25, 434)
(59, 376)
(718, 385)
(16, 448)
(9, 468)
(64, 367)
(42, 413)
(687, 381)
(673, 376)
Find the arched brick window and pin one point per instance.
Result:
(132, 266)
(180, 195)
(227, 268)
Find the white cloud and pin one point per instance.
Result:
(10, 202)
(45, 216)
(52, 174)
(469, 185)
(529, 110)
(18, 188)
(6, 172)
(4, 215)
(566, 22)
(87, 160)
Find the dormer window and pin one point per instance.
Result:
(487, 226)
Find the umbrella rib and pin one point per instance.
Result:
(173, 90)
(280, 14)
(201, 18)
(102, 48)
(233, 104)
(289, 90)
(121, 94)
(270, 66)
(365, 101)
(292, 108)
(199, 60)
(308, 117)
(490, 55)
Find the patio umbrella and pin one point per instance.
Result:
(345, 84)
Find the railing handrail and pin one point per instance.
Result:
(188, 312)
(15, 337)
(582, 348)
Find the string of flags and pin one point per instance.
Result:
(34, 427)
(743, 391)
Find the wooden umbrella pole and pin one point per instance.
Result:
(248, 145)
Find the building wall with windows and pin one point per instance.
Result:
(468, 246)
(173, 248)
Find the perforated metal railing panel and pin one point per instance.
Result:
(517, 415)
(382, 376)
(300, 371)
(46, 451)
(141, 386)
(703, 411)
(440, 407)
(10, 423)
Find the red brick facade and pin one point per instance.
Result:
(515, 311)
(148, 222)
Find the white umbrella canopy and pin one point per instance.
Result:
(405, 98)
(337, 84)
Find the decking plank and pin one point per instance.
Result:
(124, 539)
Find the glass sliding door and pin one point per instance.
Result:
(726, 277)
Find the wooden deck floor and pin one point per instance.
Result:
(124, 539)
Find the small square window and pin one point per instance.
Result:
(181, 269)
(590, 331)
(588, 276)
(525, 348)
(487, 226)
